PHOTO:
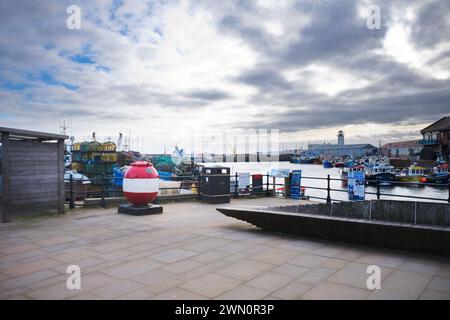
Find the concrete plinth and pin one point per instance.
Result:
(134, 210)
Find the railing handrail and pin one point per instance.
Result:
(265, 186)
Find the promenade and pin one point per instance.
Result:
(192, 251)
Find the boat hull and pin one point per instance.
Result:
(339, 165)
(410, 178)
(438, 179)
(303, 161)
(381, 177)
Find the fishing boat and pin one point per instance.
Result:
(380, 172)
(303, 160)
(412, 174)
(439, 175)
(339, 165)
(295, 160)
(350, 163)
(345, 172)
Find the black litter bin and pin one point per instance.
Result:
(215, 185)
(257, 183)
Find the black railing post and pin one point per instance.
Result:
(378, 190)
(199, 186)
(448, 186)
(236, 191)
(103, 202)
(267, 184)
(328, 190)
(71, 202)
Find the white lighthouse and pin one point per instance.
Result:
(340, 137)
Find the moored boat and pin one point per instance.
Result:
(327, 164)
(413, 174)
(303, 160)
(339, 165)
(350, 163)
(439, 175)
(380, 172)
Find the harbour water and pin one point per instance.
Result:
(311, 170)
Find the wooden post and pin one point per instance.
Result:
(5, 177)
(61, 196)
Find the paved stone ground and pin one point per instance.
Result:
(194, 252)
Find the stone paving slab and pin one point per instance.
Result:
(194, 252)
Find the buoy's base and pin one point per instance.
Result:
(134, 210)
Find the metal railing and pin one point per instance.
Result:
(105, 187)
(378, 193)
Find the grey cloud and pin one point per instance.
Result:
(265, 79)
(335, 32)
(341, 41)
(143, 95)
(208, 95)
(432, 24)
(334, 112)
(334, 37)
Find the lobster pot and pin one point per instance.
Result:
(109, 157)
(84, 147)
(76, 147)
(77, 166)
(95, 157)
(94, 146)
(109, 146)
(76, 156)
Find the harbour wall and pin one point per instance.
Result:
(424, 213)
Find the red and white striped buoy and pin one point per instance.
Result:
(141, 183)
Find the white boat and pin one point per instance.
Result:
(380, 172)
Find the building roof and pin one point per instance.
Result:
(401, 144)
(340, 146)
(440, 125)
(27, 134)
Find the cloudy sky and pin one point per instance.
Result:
(161, 70)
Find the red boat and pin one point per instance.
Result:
(339, 165)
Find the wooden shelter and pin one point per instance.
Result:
(32, 171)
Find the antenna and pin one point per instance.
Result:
(119, 142)
(63, 127)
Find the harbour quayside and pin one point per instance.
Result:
(224, 150)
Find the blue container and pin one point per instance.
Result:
(163, 175)
(118, 177)
(327, 164)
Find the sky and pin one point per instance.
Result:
(165, 71)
